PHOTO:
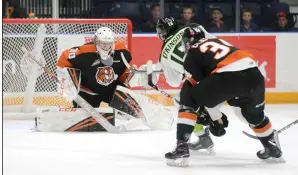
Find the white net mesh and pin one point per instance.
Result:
(59, 36)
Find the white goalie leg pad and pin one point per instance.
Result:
(129, 122)
(122, 116)
(62, 119)
(153, 114)
(177, 100)
(69, 83)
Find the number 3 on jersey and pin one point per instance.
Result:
(218, 49)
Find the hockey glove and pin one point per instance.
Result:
(218, 128)
(203, 116)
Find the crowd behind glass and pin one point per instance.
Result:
(215, 16)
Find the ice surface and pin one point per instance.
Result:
(142, 153)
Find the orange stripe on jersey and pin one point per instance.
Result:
(192, 81)
(63, 60)
(264, 129)
(187, 115)
(89, 48)
(120, 46)
(233, 57)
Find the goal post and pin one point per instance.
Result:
(25, 88)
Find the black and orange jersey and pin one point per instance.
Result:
(96, 77)
(210, 56)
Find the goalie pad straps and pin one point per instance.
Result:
(70, 80)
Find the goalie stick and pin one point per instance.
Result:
(279, 131)
(82, 102)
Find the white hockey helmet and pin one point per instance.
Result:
(104, 40)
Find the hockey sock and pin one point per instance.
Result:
(186, 121)
(264, 131)
(198, 130)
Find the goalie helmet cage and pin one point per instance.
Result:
(25, 93)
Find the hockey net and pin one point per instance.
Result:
(24, 92)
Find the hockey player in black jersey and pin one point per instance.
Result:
(216, 72)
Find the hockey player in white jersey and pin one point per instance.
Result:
(171, 34)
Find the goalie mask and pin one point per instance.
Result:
(165, 27)
(104, 40)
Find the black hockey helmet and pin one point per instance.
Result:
(165, 27)
(192, 35)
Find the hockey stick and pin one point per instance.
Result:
(150, 81)
(82, 102)
(279, 131)
(149, 73)
(136, 70)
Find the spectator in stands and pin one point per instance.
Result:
(150, 26)
(281, 23)
(217, 24)
(13, 9)
(32, 16)
(187, 14)
(246, 24)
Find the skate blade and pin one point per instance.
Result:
(275, 160)
(180, 162)
(209, 151)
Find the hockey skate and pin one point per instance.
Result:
(272, 153)
(180, 156)
(204, 142)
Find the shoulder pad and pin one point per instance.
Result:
(88, 48)
(120, 46)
